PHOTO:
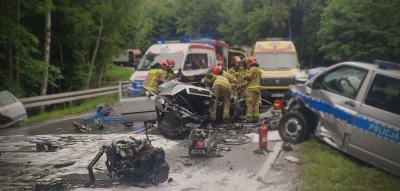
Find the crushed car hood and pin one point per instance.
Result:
(172, 88)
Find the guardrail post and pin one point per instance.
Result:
(71, 104)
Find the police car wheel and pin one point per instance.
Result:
(293, 127)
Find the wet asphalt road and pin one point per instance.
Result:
(233, 170)
(62, 126)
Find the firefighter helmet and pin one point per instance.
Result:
(236, 59)
(171, 63)
(251, 60)
(164, 64)
(217, 70)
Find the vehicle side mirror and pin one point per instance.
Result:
(315, 85)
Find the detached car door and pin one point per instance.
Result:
(138, 108)
(376, 134)
(334, 97)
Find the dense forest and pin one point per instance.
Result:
(52, 46)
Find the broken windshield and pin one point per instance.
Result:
(149, 59)
(274, 60)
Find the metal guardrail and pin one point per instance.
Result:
(38, 101)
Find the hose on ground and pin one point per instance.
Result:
(234, 139)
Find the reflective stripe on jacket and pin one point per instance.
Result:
(239, 75)
(253, 79)
(153, 78)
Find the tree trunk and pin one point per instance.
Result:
(46, 56)
(10, 62)
(16, 52)
(62, 66)
(96, 47)
(290, 27)
(101, 76)
(302, 46)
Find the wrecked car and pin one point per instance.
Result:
(12, 111)
(181, 107)
(352, 106)
(134, 162)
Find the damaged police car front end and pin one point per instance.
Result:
(351, 106)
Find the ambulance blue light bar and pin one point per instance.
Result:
(276, 39)
(185, 40)
(386, 65)
(160, 42)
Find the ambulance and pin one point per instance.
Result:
(192, 62)
(279, 63)
(222, 50)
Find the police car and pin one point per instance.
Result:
(352, 106)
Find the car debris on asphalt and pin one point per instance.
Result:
(47, 147)
(59, 185)
(287, 146)
(80, 127)
(135, 162)
(292, 159)
(65, 164)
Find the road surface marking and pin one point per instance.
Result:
(262, 173)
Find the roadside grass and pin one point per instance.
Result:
(88, 105)
(113, 76)
(325, 168)
(115, 73)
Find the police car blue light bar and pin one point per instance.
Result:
(386, 65)
(137, 86)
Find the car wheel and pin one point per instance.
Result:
(293, 127)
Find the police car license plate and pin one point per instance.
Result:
(198, 151)
(277, 95)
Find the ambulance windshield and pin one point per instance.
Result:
(149, 59)
(277, 60)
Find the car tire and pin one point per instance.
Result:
(169, 125)
(293, 127)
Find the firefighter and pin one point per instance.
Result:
(232, 80)
(169, 74)
(221, 88)
(155, 77)
(244, 65)
(253, 93)
(238, 72)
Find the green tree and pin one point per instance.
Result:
(311, 25)
(198, 18)
(355, 30)
(233, 22)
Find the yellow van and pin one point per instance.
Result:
(278, 61)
